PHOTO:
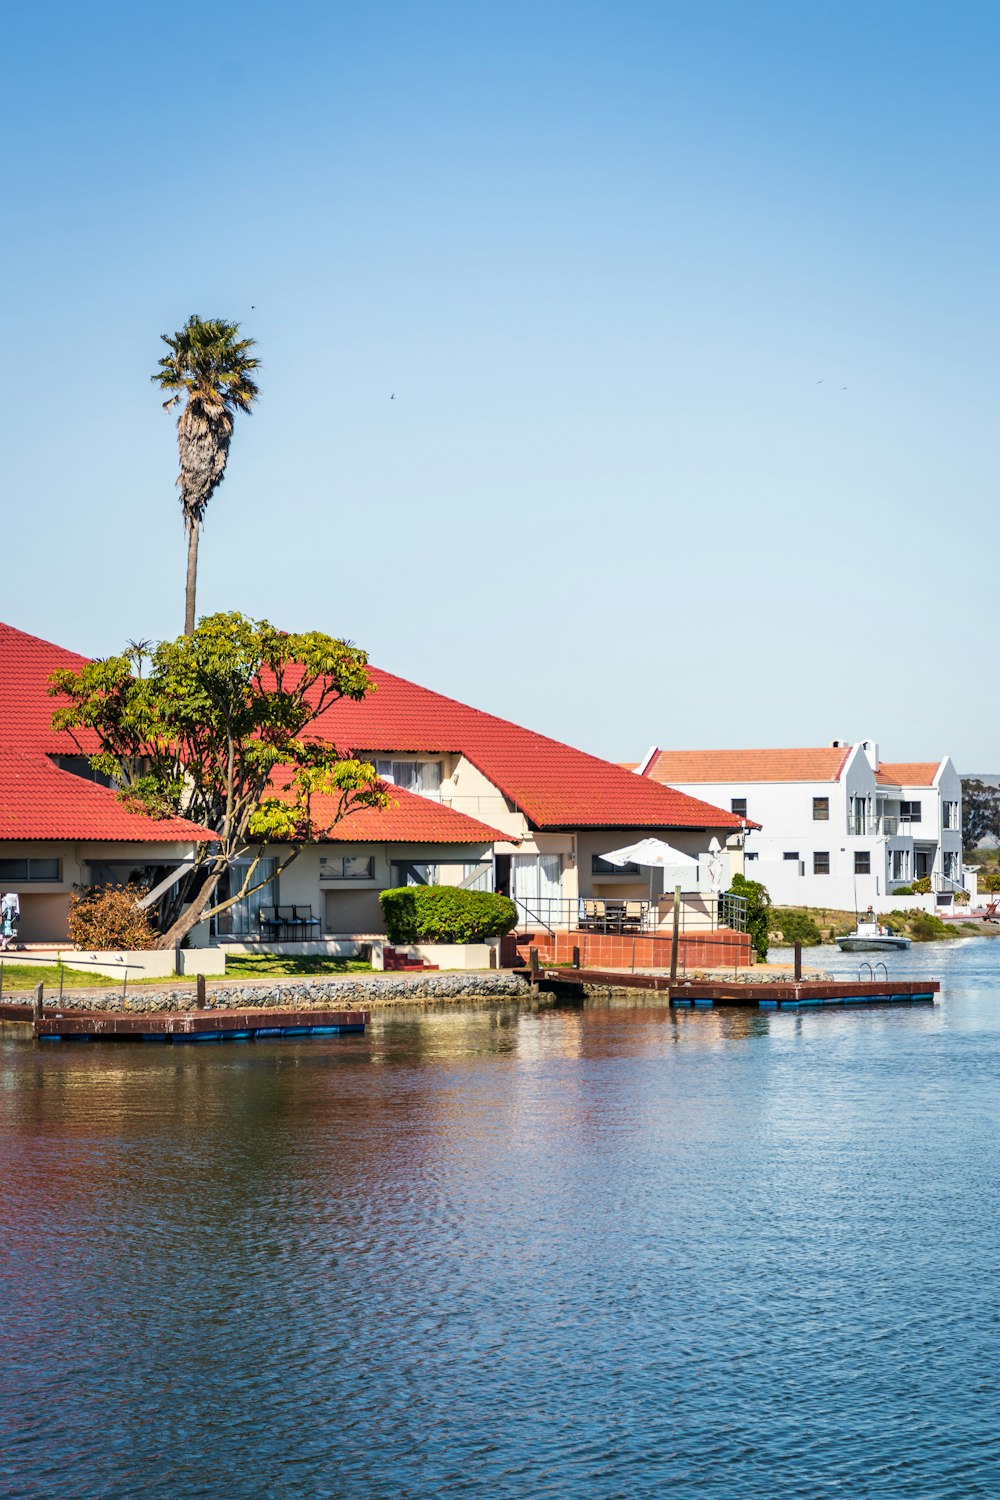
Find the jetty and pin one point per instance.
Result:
(179, 1027)
(794, 994)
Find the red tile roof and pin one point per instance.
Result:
(25, 707)
(411, 820)
(554, 785)
(907, 772)
(684, 767)
(38, 801)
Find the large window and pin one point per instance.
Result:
(862, 862)
(952, 816)
(79, 765)
(599, 866)
(821, 862)
(421, 776)
(950, 864)
(536, 880)
(910, 810)
(859, 815)
(821, 809)
(243, 918)
(30, 869)
(900, 864)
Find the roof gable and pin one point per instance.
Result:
(907, 772)
(41, 802)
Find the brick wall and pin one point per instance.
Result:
(700, 950)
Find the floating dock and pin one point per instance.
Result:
(703, 995)
(186, 1026)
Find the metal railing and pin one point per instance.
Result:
(702, 910)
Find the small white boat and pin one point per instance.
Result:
(871, 937)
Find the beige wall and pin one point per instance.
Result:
(45, 904)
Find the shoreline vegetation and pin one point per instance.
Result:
(815, 926)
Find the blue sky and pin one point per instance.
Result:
(617, 262)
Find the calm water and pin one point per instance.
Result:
(610, 1252)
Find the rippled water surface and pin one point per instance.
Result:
(578, 1253)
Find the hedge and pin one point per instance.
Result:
(445, 914)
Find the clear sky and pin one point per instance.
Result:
(690, 313)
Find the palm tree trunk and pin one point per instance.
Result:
(192, 575)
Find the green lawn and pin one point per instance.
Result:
(25, 976)
(267, 966)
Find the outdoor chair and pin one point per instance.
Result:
(288, 920)
(269, 922)
(632, 916)
(593, 913)
(305, 920)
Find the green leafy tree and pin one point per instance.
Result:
(758, 912)
(210, 368)
(980, 812)
(214, 727)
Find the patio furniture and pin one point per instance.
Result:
(289, 921)
(306, 921)
(593, 914)
(269, 923)
(632, 916)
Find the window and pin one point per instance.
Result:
(821, 862)
(901, 864)
(950, 864)
(952, 816)
(910, 810)
(739, 807)
(471, 877)
(821, 809)
(79, 765)
(859, 815)
(862, 862)
(421, 776)
(599, 866)
(347, 867)
(30, 869)
(790, 854)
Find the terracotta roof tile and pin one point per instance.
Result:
(687, 767)
(907, 772)
(411, 820)
(38, 801)
(554, 785)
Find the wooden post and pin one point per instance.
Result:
(798, 961)
(178, 963)
(39, 995)
(576, 958)
(675, 936)
(200, 982)
(533, 963)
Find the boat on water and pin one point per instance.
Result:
(871, 936)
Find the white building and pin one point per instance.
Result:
(838, 827)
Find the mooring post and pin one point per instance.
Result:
(533, 962)
(39, 995)
(576, 958)
(178, 963)
(675, 936)
(200, 984)
(798, 961)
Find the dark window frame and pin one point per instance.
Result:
(738, 807)
(30, 875)
(866, 856)
(818, 855)
(821, 809)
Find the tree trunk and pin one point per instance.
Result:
(190, 918)
(192, 576)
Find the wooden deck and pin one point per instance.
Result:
(186, 1026)
(783, 996)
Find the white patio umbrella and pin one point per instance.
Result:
(655, 853)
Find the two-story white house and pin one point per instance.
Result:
(839, 828)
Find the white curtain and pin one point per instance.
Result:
(420, 776)
(536, 877)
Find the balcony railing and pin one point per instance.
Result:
(704, 911)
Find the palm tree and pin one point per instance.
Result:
(212, 366)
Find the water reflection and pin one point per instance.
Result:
(585, 1251)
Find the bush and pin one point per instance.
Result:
(758, 911)
(445, 914)
(104, 917)
(922, 887)
(903, 890)
(924, 928)
(797, 927)
(990, 883)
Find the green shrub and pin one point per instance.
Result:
(903, 890)
(445, 914)
(924, 927)
(758, 911)
(922, 887)
(797, 927)
(990, 883)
